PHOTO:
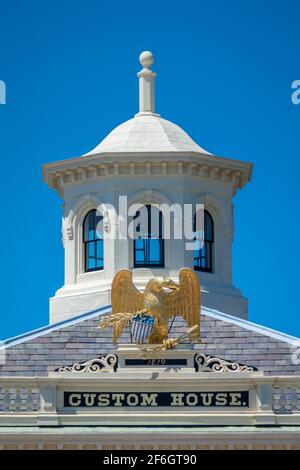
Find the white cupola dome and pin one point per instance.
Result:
(147, 131)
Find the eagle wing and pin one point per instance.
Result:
(186, 302)
(125, 298)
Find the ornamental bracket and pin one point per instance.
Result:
(206, 363)
(96, 365)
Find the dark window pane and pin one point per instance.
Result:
(154, 250)
(140, 257)
(88, 227)
(99, 253)
(208, 227)
(91, 250)
(91, 263)
(149, 250)
(203, 255)
(93, 241)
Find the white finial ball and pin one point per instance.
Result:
(146, 59)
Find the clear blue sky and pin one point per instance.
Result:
(225, 70)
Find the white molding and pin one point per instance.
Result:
(51, 407)
(94, 167)
(148, 197)
(179, 438)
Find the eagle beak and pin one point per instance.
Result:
(173, 287)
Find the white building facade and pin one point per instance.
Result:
(67, 386)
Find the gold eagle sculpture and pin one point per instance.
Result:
(162, 299)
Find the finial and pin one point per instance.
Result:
(146, 59)
(146, 84)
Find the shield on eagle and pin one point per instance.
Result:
(141, 328)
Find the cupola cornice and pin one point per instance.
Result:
(78, 170)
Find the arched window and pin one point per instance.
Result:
(93, 241)
(149, 247)
(203, 257)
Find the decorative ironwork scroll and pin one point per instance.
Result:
(96, 365)
(206, 363)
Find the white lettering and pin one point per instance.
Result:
(221, 399)
(113, 460)
(149, 399)
(177, 399)
(191, 399)
(118, 398)
(207, 398)
(103, 399)
(132, 399)
(75, 399)
(89, 399)
(235, 399)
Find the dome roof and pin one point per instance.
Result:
(147, 133)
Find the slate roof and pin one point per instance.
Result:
(79, 339)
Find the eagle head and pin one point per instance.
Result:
(157, 285)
